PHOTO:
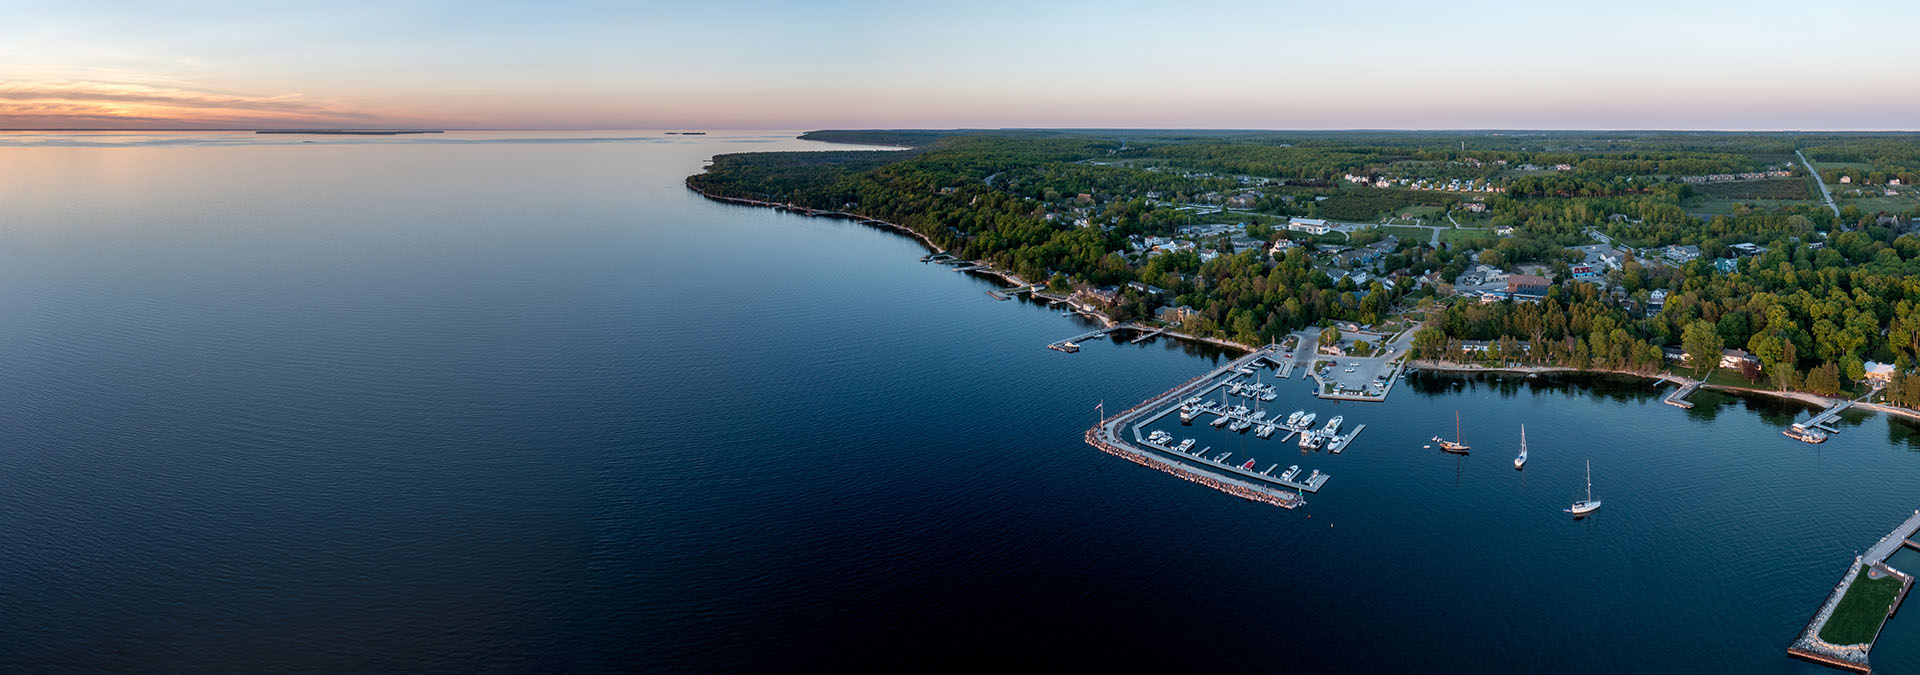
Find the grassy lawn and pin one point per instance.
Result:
(1456, 235)
(1874, 204)
(1727, 377)
(1863, 166)
(1427, 213)
(1407, 233)
(1861, 611)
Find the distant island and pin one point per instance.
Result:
(686, 133)
(351, 132)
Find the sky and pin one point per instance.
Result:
(720, 64)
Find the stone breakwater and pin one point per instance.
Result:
(1281, 499)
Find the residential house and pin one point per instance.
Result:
(1149, 291)
(1280, 246)
(1173, 314)
(1732, 358)
(1481, 274)
(1726, 265)
(1504, 230)
(1681, 254)
(1747, 249)
(1582, 271)
(1656, 300)
(1879, 372)
(1474, 207)
(1844, 180)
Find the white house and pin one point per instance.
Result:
(1879, 372)
(1310, 226)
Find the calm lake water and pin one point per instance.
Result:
(521, 402)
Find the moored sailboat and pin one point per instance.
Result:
(1588, 505)
(1458, 445)
(1521, 460)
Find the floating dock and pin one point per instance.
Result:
(1808, 644)
(1340, 442)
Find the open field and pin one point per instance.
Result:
(1777, 188)
(1858, 616)
(1419, 234)
(1876, 203)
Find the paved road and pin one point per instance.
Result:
(1818, 181)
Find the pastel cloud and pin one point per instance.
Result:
(125, 105)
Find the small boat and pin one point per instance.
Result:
(1291, 472)
(1804, 434)
(1295, 417)
(1333, 425)
(1184, 445)
(1588, 505)
(1247, 466)
(1458, 445)
(1307, 421)
(1521, 461)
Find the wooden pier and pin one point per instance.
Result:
(1071, 345)
(1678, 397)
(1809, 646)
(1148, 336)
(1824, 420)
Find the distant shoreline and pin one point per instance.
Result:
(350, 132)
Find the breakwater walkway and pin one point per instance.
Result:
(1809, 646)
(1117, 435)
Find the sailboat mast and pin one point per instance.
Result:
(1589, 480)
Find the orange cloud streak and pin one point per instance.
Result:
(43, 105)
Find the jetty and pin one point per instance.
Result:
(1824, 420)
(1678, 397)
(1338, 443)
(1071, 344)
(1819, 427)
(1849, 651)
(1148, 336)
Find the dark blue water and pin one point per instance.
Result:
(514, 402)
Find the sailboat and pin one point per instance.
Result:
(1456, 445)
(1588, 505)
(1522, 459)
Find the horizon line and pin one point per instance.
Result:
(965, 129)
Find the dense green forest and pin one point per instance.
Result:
(1070, 207)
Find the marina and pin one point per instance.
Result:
(1127, 433)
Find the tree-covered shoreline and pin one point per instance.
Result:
(1077, 209)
